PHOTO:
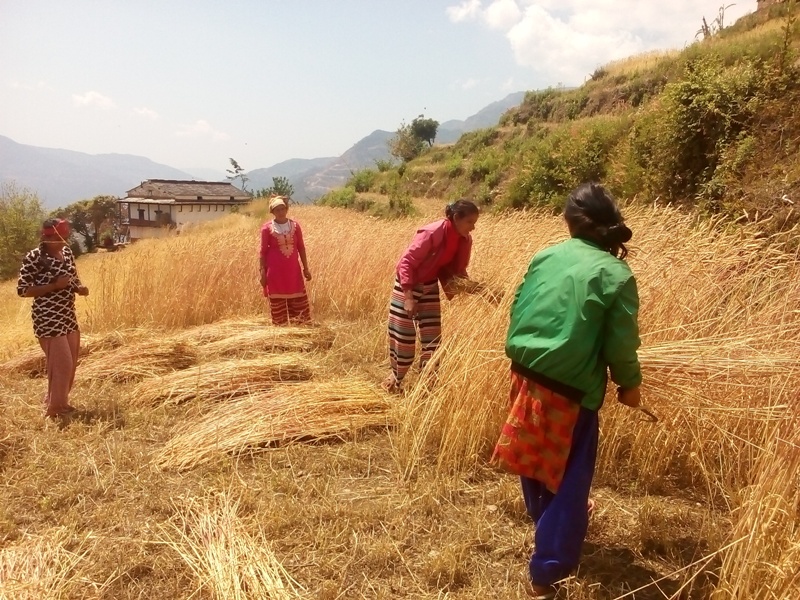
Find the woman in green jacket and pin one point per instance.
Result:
(573, 322)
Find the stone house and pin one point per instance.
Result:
(158, 206)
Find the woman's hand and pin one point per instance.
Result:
(307, 273)
(61, 283)
(411, 307)
(82, 291)
(631, 397)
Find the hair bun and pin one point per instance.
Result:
(619, 233)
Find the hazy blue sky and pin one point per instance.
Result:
(190, 83)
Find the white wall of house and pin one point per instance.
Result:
(198, 213)
(181, 215)
(144, 233)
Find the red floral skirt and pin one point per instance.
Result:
(536, 438)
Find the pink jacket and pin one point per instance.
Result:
(419, 262)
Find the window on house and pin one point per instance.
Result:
(231, 198)
(199, 197)
(141, 214)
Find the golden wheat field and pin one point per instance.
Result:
(217, 457)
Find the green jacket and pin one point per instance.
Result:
(574, 317)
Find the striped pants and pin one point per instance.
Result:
(402, 332)
(296, 309)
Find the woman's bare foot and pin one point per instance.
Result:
(391, 385)
(540, 592)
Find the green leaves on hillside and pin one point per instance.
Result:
(21, 216)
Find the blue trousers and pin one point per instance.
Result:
(562, 519)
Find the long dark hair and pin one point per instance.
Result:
(592, 213)
(461, 208)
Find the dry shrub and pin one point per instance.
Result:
(229, 560)
(138, 361)
(307, 410)
(41, 567)
(219, 381)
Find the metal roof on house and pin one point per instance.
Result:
(173, 189)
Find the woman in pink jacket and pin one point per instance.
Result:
(439, 252)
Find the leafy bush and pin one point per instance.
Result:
(339, 198)
(485, 166)
(362, 180)
(569, 155)
(383, 165)
(454, 167)
(473, 141)
(21, 216)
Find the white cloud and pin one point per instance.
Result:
(201, 128)
(565, 40)
(146, 112)
(502, 14)
(466, 11)
(469, 84)
(93, 98)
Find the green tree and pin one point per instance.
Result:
(280, 187)
(405, 145)
(77, 214)
(424, 129)
(237, 172)
(21, 216)
(91, 218)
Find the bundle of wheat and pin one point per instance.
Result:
(268, 340)
(32, 363)
(219, 381)
(213, 332)
(138, 361)
(305, 410)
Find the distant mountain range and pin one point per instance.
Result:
(61, 177)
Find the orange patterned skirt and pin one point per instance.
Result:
(536, 438)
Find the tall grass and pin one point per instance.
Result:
(720, 328)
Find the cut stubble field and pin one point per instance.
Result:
(220, 457)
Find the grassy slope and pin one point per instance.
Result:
(713, 126)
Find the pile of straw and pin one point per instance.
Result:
(31, 363)
(213, 332)
(42, 566)
(268, 340)
(248, 337)
(226, 558)
(138, 361)
(219, 381)
(307, 410)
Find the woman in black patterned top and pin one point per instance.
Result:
(48, 275)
